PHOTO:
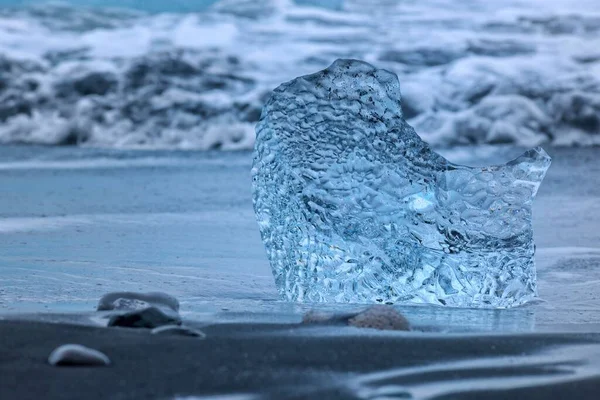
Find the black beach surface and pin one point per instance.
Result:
(78, 223)
(255, 361)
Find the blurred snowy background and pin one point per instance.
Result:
(191, 74)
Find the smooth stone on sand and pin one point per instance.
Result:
(150, 317)
(176, 330)
(77, 355)
(382, 317)
(137, 301)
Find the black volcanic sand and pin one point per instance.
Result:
(298, 362)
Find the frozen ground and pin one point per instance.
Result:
(172, 75)
(77, 223)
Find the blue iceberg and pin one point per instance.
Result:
(354, 207)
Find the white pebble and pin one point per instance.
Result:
(75, 354)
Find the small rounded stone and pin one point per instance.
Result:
(176, 330)
(77, 355)
(380, 317)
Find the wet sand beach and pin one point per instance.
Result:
(289, 361)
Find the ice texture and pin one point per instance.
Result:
(354, 207)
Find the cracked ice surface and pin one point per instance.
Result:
(354, 207)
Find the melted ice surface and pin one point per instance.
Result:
(524, 72)
(354, 207)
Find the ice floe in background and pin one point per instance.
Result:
(523, 72)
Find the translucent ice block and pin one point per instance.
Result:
(354, 207)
